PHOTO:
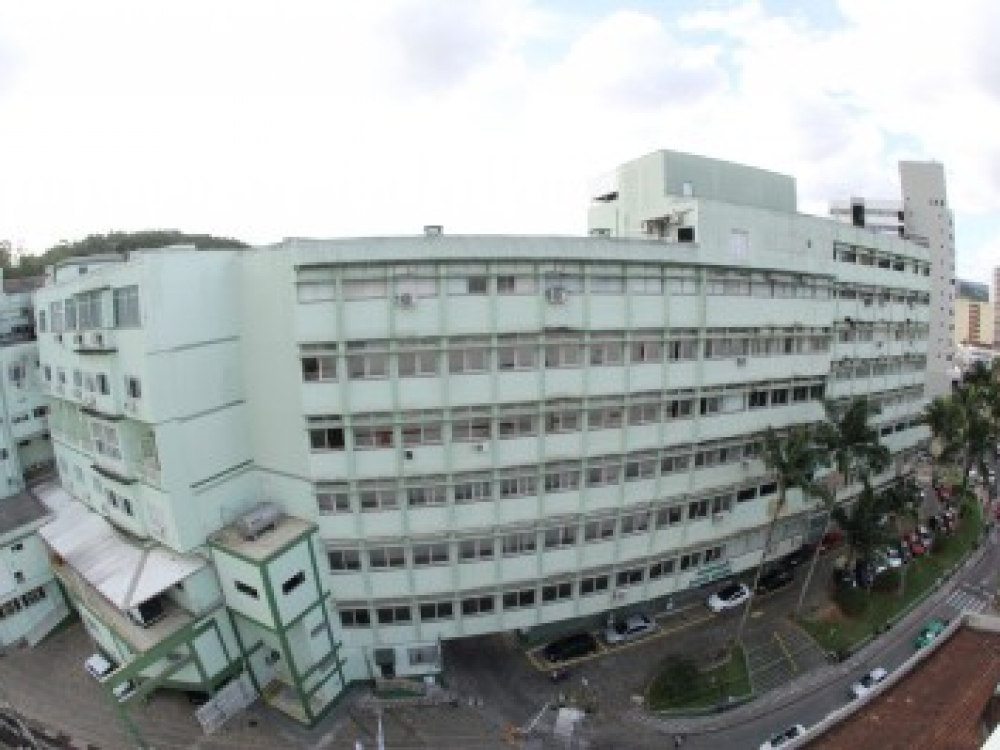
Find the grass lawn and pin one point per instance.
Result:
(679, 688)
(838, 633)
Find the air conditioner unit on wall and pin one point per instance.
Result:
(618, 594)
(405, 299)
(556, 295)
(741, 361)
(479, 447)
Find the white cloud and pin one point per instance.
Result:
(368, 118)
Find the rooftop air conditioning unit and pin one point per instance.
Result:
(260, 519)
(741, 361)
(405, 299)
(479, 447)
(556, 295)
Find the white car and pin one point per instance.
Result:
(783, 738)
(100, 668)
(892, 556)
(866, 684)
(632, 627)
(729, 597)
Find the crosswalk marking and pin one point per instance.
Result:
(964, 601)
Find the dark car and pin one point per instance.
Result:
(802, 555)
(864, 573)
(774, 580)
(570, 647)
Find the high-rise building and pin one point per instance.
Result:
(922, 216)
(996, 308)
(973, 315)
(329, 456)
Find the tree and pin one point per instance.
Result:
(851, 443)
(826, 494)
(964, 424)
(793, 458)
(863, 524)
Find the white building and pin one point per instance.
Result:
(465, 435)
(31, 603)
(922, 216)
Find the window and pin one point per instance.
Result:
(476, 549)
(411, 364)
(629, 577)
(697, 509)
(599, 530)
(564, 350)
(126, 305)
(519, 599)
(421, 434)
(393, 615)
(363, 363)
(690, 560)
(518, 485)
(473, 487)
(246, 590)
(434, 611)
(517, 352)
(519, 544)
(344, 559)
(41, 321)
(645, 414)
(606, 349)
(320, 367)
(516, 284)
(478, 285)
(333, 498)
(431, 491)
(88, 309)
(39, 412)
(593, 585)
(556, 591)
(133, 388)
(355, 618)
(477, 605)
(70, 310)
(293, 583)
(599, 476)
(560, 536)
(373, 438)
(636, 523)
(431, 554)
(668, 516)
(386, 557)
(377, 495)
(105, 440)
(102, 384)
(469, 355)
(56, 313)
(605, 283)
(646, 350)
(661, 569)
(562, 421)
(326, 439)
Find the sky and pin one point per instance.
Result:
(330, 119)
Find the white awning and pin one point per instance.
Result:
(127, 575)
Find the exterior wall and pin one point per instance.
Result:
(929, 220)
(973, 323)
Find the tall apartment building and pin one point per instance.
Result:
(973, 315)
(31, 603)
(458, 435)
(922, 216)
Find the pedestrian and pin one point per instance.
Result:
(678, 740)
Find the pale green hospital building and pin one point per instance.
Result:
(445, 436)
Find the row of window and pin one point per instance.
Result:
(526, 542)
(319, 283)
(12, 606)
(849, 369)
(428, 357)
(547, 593)
(522, 481)
(865, 256)
(476, 425)
(85, 311)
(92, 382)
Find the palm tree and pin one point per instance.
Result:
(851, 443)
(826, 494)
(862, 524)
(793, 459)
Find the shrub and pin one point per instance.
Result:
(852, 601)
(679, 679)
(941, 543)
(888, 582)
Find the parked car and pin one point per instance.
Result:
(729, 597)
(570, 647)
(916, 544)
(802, 555)
(774, 580)
(864, 573)
(929, 632)
(100, 668)
(866, 684)
(892, 557)
(629, 629)
(926, 537)
(903, 550)
(784, 737)
(844, 577)
(831, 540)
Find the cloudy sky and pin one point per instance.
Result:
(336, 118)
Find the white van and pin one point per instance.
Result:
(100, 668)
